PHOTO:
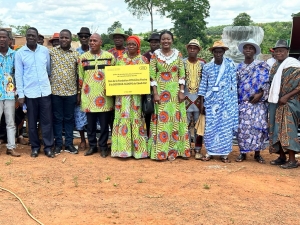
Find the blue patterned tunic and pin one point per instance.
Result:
(221, 107)
(253, 118)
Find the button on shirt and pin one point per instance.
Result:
(7, 86)
(63, 77)
(32, 69)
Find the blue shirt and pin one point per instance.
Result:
(32, 71)
(7, 86)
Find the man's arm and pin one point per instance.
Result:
(19, 72)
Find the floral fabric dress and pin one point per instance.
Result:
(253, 118)
(168, 129)
(129, 136)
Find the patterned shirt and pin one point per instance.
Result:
(32, 70)
(117, 53)
(7, 86)
(92, 81)
(63, 77)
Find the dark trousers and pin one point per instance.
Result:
(147, 121)
(63, 117)
(40, 108)
(104, 119)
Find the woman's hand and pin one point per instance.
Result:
(156, 98)
(283, 100)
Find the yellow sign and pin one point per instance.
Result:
(127, 80)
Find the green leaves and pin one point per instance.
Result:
(243, 19)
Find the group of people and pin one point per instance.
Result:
(61, 87)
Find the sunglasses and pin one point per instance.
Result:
(84, 36)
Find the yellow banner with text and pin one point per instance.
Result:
(127, 80)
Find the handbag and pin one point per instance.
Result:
(148, 104)
(200, 125)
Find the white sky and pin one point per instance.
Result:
(50, 16)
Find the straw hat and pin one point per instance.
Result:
(119, 31)
(249, 42)
(218, 44)
(194, 42)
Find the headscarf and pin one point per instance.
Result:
(136, 39)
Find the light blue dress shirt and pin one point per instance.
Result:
(32, 72)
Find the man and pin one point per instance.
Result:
(253, 88)
(63, 82)
(80, 117)
(7, 91)
(271, 60)
(154, 41)
(41, 40)
(218, 90)
(284, 107)
(193, 68)
(119, 37)
(32, 65)
(54, 40)
(94, 101)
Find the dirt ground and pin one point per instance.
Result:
(78, 189)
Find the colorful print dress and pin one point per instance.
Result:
(128, 136)
(253, 118)
(168, 129)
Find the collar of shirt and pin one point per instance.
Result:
(9, 52)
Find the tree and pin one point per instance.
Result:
(188, 17)
(20, 30)
(243, 19)
(129, 31)
(114, 26)
(139, 8)
(1, 23)
(296, 14)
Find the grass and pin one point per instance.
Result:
(206, 186)
(8, 162)
(140, 180)
(75, 180)
(116, 185)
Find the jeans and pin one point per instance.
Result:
(8, 107)
(104, 119)
(41, 108)
(63, 117)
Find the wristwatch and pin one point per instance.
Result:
(182, 91)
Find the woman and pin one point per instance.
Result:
(168, 130)
(128, 137)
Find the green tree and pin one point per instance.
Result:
(296, 14)
(243, 19)
(139, 8)
(129, 31)
(115, 25)
(20, 30)
(188, 17)
(1, 23)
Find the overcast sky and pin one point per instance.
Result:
(50, 16)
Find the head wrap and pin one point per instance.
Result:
(136, 39)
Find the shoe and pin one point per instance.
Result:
(225, 159)
(71, 149)
(49, 153)
(34, 153)
(278, 161)
(259, 159)
(241, 157)
(22, 141)
(91, 151)
(198, 156)
(290, 165)
(13, 153)
(104, 152)
(57, 150)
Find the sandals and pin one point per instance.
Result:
(278, 161)
(198, 156)
(207, 157)
(259, 159)
(241, 157)
(290, 165)
(225, 159)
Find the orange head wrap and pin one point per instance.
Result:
(136, 39)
